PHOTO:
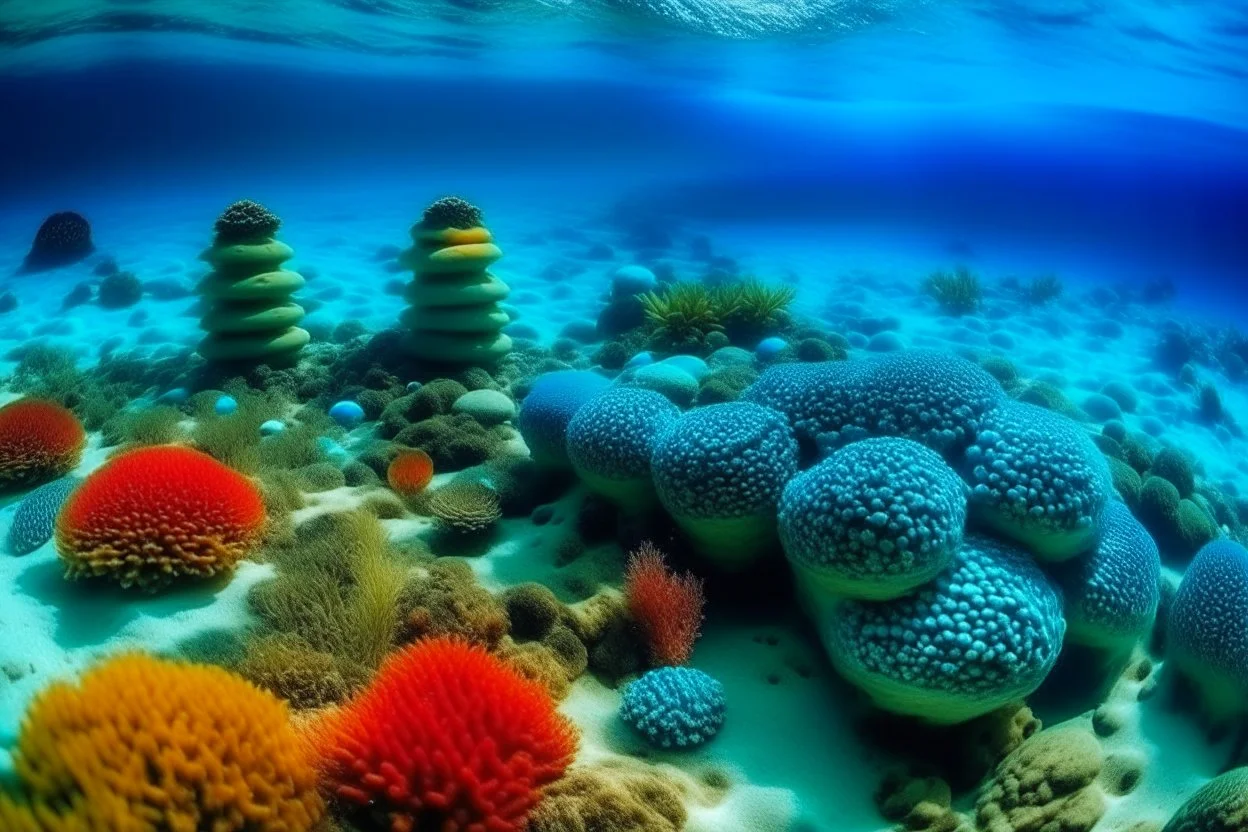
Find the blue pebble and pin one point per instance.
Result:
(271, 427)
(347, 413)
(769, 348)
(691, 364)
(225, 406)
(632, 280)
(177, 395)
(641, 359)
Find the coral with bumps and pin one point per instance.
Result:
(719, 471)
(1221, 805)
(1112, 594)
(289, 668)
(39, 441)
(611, 439)
(1207, 632)
(34, 522)
(140, 743)
(548, 409)
(1038, 478)
(874, 520)
(667, 606)
(612, 796)
(250, 317)
(454, 316)
(985, 633)
(446, 600)
(446, 737)
(465, 507)
(153, 515)
(1048, 783)
(409, 472)
(674, 707)
(63, 238)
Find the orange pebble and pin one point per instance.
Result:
(410, 472)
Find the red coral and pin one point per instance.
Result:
(666, 605)
(39, 441)
(410, 472)
(449, 738)
(154, 514)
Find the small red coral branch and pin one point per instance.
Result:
(666, 605)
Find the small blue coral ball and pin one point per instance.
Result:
(769, 348)
(674, 707)
(271, 427)
(225, 406)
(347, 413)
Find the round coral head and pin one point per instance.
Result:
(410, 472)
(152, 515)
(39, 441)
(447, 737)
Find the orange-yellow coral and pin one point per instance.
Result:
(146, 745)
(151, 515)
(39, 441)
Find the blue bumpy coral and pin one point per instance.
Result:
(35, 519)
(719, 471)
(611, 439)
(1207, 635)
(874, 520)
(674, 707)
(1112, 594)
(986, 632)
(1037, 478)
(550, 406)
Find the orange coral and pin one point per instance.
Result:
(410, 472)
(447, 737)
(666, 605)
(39, 441)
(151, 515)
(141, 744)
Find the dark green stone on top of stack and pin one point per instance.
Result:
(250, 317)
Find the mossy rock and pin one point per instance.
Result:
(1126, 482)
(484, 318)
(248, 255)
(264, 286)
(251, 317)
(455, 259)
(446, 348)
(249, 347)
(467, 290)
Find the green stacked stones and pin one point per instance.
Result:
(250, 317)
(453, 316)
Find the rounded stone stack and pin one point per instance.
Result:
(250, 317)
(453, 315)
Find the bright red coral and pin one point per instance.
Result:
(39, 441)
(666, 605)
(151, 515)
(446, 737)
(410, 472)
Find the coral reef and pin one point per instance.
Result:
(1049, 782)
(34, 522)
(454, 316)
(470, 751)
(250, 317)
(141, 743)
(39, 441)
(465, 507)
(1207, 633)
(1112, 594)
(611, 438)
(674, 707)
(410, 472)
(719, 471)
(445, 600)
(1221, 805)
(911, 656)
(874, 520)
(286, 666)
(612, 796)
(548, 409)
(153, 515)
(1037, 477)
(667, 606)
(63, 238)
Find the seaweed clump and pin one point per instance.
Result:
(245, 221)
(682, 316)
(956, 293)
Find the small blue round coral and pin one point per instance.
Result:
(548, 409)
(1037, 477)
(35, 519)
(719, 471)
(874, 520)
(612, 437)
(1207, 632)
(985, 633)
(1112, 594)
(674, 707)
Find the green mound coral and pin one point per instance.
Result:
(444, 599)
(159, 425)
(1221, 805)
(611, 796)
(956, 293)
(287, 667)
(752, 309)
(1048, 783)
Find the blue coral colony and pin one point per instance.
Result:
(959, 540)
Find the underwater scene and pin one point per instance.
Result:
(623, 416)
